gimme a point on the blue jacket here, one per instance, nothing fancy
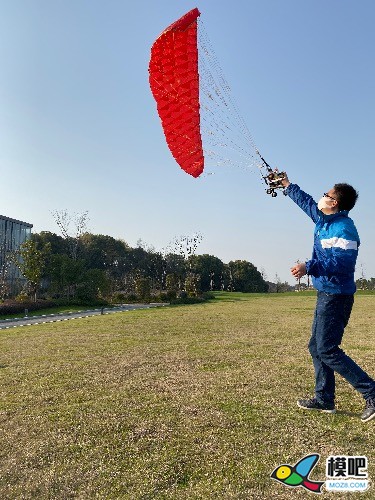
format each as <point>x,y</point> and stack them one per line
<point>336,243</point>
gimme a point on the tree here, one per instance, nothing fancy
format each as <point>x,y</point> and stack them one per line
<point>143,288</point>
<point>279,286</point>
<point>31,263</point>
<point>108,254</point>
<point>94,284</point>
<point>64,221</point>
<point>245,277</point>
<point>192,285</point>
<point>185,245</point>
<point>65,275</point>
<point>176,265</point>
<point>102,251</point>
<point>176,257</point>
<point>58,244</point>
<point>209,268</point>
<point>263,273</point>
<point>362,282</point>
<point>172,285</point>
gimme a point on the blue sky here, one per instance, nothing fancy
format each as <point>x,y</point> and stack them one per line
<point>79,128</point>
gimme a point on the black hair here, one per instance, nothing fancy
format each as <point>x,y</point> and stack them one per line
<point>346,196</point>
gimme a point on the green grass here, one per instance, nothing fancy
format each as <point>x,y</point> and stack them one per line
<point>188,402</point>
<point>50,310</point>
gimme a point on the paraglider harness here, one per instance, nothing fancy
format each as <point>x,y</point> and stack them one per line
<point>273,178</point>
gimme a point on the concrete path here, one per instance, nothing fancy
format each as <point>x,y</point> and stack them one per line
<point>52,318</point>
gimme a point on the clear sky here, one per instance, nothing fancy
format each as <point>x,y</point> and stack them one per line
<point>79,128</point>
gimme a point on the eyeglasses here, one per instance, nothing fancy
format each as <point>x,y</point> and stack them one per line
<point>326,195</point>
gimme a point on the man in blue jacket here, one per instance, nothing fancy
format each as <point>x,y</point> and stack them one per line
<point>332,265</point>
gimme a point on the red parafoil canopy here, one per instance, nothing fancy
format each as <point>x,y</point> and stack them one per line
<point>174,82</point>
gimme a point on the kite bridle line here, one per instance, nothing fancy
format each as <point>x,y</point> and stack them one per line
<point>211,153</point>
<point>215,87</point>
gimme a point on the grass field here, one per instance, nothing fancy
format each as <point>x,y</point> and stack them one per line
<point>183,402</point>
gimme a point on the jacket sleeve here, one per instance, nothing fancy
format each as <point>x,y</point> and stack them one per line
<point>340,258</point>
<point>304,201</point>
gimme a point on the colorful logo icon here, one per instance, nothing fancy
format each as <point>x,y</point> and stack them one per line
<point>298,474</point>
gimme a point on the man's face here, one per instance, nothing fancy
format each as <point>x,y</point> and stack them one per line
<point>330,202</point>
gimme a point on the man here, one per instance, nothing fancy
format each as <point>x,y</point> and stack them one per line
<point>332,266</point>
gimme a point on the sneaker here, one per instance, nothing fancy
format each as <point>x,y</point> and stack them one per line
<point>369,412</point>
<point>313,404</point>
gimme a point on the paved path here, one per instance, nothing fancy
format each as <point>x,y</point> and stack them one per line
<point>52,318</point>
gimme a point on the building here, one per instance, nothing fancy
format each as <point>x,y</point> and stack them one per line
<point>12,234</point>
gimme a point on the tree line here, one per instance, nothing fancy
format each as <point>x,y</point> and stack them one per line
<point>365,284</point>
<point>90,267</point>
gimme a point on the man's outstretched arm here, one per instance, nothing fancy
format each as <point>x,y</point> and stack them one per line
<point>302,199</point>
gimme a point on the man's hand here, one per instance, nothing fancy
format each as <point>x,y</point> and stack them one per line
<point>299,270</point>
<point>285,182</point>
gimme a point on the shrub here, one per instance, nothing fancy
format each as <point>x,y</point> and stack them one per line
<point>171,295</point>
<point>130,298</point>
<point>22,298</point>
<point>13,307</point>
<point>165,296</point>
<point>118,297</point>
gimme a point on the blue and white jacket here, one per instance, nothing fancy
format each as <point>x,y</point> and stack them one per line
<point>336,243</point>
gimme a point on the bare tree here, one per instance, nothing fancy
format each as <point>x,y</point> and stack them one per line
<point>278,283</point>
<point>186,245</point>
<point>230,284</point>
<point>145,246</point>
<point>362,279</point>
<point>65,221</point>
<point>263,273</point>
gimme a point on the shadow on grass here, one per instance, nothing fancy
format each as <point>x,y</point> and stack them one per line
<point>348,413</point>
